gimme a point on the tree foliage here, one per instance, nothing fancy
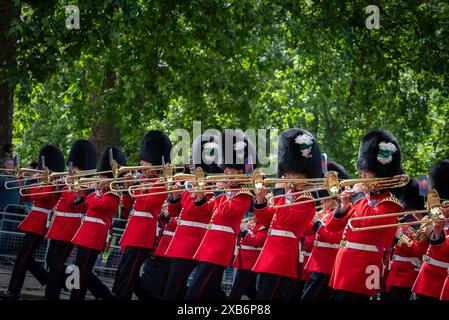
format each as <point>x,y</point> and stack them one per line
<point>249,64</point>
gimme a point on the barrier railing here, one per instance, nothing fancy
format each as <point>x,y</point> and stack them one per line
<point>105,267</point>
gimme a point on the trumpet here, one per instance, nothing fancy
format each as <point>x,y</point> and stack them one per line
<point>434,210</point>
<point>333,186</point>
<point>167,182</point>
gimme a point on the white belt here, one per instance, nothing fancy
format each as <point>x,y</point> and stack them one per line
<point>168,233</point>
<point>413,260</point>
<point>250,248</point>
<point>317,243</point>
<point>141,214</point>
<point>435,262</point>
<point>282,233</point>
<point>47,211</point>
<point>218,227</point>
<point>96,220</point>
<point>302,255</point>
<point>305,253</point>
<point>193,224</point>
<point>69,214</point>
<point>358,246</point>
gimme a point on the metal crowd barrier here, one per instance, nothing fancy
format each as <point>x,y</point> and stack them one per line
<point>105,267</point>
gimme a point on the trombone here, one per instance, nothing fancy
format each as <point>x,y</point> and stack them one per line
<point>333,186</point>
<point>72,185</point>
<point>434,209</point>
<point>167,181</point>
<point>115,185</point>
<point>255,181</point>
<point>89,175</point>
<point>45,176</point>
<point>118,170</point>
<point>14,172</point>
<point>47,179</point>
<point>78,184</point>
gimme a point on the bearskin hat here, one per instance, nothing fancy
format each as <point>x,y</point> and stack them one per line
<point>439,178</point>
<point>53,158</point>
<point>83,155</point>
<point>334,166</point>
<point>105,161</point>
<point>410,197</point>
<point>206,153</point>
<point>155,146</point>
<point>380,153</point>
<point>237,150</point>
<point>298,152</point>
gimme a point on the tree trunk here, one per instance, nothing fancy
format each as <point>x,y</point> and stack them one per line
<point>104,131</point>
<point>7,57</point>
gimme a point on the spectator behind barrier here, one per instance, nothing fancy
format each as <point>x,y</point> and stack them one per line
<point>8,197</point>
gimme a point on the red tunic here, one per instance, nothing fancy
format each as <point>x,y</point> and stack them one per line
<point>166,237</point>
<point>323,256</point>
<point>142,222</point>
<point>306,249</point>
<point>218,243</point>
<point>192,227</point>
<point>355,269</point>
<point>93,234</point>
<point>280,254</point>
<point>403,273</point>
<point>127,205</point>
<point>445,291</point>
<point>67,217</point>
<point>250,247</point>
<point>431,278</point>
<point>36,220</point>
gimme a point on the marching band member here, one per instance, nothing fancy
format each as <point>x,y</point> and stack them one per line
<point>139,237</point>
<point>92,236</point>
<point>67,219</point>
<point>325,248</point>
<point>35,225</point>
<point>379,156</point>
<point>216,250</point>
<point>167,234</point>
<point>429,284</point>
<point>278,264</point>
<point>155,269</point>
<point>441,227</point>
<point>160,261</point>
<point>306,246</point>
<point>193,223</point>
<point>252,239</point>
<point>409,249</point>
